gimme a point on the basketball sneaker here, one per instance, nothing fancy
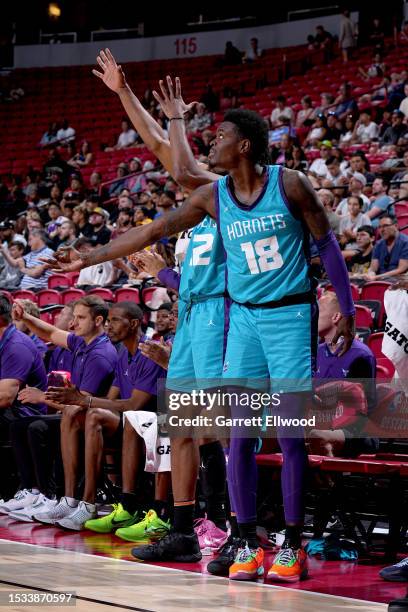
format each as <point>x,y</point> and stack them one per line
<point>42,504</point>
<point>76,521</point>
<point>226,557</point>
<point>397,572</point>
<point>248,564</point>
<point>146,531</point>
<point>210,537</point>
<point>116,519</point>
<point>22,498</point>
<point>289,565</point>
<point>178,547</point>
<point>58,512</point>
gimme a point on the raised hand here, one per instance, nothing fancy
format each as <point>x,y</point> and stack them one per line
<point>149,262</point>
<point>18,310</point>
<point>66,259</point>
<point>112,74</point>
<point>171,101</point>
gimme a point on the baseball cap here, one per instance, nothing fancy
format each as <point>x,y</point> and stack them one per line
<point>360,177</point>
<point>60,220</point>
<point>5,225</point>
<point>100,211</point>
<point>148,165</point>
<point>326,143</point>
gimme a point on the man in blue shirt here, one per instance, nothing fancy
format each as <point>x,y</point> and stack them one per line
<point>381,202</point>
<point>390,255</point>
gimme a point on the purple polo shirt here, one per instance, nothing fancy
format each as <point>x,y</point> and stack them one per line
<point>41,346</point>
<point>60,360</point>
<point>20,360</point>
<point>93,365</point>
<point>358,362</point>
<point>137,372</point>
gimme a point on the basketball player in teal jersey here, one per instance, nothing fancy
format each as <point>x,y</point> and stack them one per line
<point>261,215</point>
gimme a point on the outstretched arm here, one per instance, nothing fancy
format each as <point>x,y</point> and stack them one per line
<point>302,196</point>
<point>46,331</point>
<point>195,208</point>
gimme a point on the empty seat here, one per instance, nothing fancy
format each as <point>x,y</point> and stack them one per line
<point>24,294</point>
<point>127,294</point>
<point>47,297</point>
<point>69,295</point>
<point>105,294</point>
<point>58,280</point>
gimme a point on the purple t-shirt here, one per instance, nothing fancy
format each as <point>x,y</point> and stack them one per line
<point>137,372</point>
<point>20,360</point>
<point>93,365</point>
<point>358,362</point>
<point>60,360</point>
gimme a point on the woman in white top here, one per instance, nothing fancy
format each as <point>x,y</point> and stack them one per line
<point>350,223</point>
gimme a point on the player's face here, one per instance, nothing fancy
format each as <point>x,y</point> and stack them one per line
<point>118,325</point>
<point>224,151</point>
<point>84,325</point>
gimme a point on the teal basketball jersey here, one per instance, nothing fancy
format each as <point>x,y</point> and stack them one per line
<point>203,268</point>
<point>266,245</point>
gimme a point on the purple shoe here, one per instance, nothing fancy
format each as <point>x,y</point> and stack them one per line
<point>210,537</point>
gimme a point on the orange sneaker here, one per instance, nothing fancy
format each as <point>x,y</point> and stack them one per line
<point>289,565</point>
<point>248,563</point>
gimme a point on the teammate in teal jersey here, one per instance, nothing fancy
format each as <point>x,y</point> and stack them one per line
<point>271,319</point>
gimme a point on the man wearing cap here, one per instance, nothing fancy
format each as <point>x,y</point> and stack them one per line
<point>8,234</point>
<point>10,276</point>
<point>318,168</point>
<point>356,185</point>
<point>101,234</point>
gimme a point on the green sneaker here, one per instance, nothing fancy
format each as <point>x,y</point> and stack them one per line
<point>117,518</point>
<point>149,530</point>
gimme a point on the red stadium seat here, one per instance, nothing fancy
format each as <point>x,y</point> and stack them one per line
<point>127,295</point>
<point>47,317</point>
<point>7,295</point>
<point>375,343</point>
<point>24,294</point>
<point>69,295</point>
<point>47,297</point>
<point>374,290</point>
<point>105,294</point>
<point>355,290</point>
<point>363,316</point>
<point>385,369</point>
<point>58,280</point>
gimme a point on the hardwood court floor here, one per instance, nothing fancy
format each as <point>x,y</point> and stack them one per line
<point>100,567</point>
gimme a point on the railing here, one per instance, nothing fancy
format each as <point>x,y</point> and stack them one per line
<point>61,37</point>
<point>123,178</point>
<point>117,34</point>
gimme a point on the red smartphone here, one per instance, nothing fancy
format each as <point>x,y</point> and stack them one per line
<point>59,379</point>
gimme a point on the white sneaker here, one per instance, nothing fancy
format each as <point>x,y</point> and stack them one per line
<point>60,511</point>
<point>43,504</point>
<point>77,519</point>
<point>22,499</point>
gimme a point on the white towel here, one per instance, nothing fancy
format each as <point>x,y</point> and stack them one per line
<point>395,340</point>
<point>157,447</point>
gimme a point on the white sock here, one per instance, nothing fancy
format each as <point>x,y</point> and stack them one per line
<point>90,507</point>
<point>71,501</point>
<point>34,491</point>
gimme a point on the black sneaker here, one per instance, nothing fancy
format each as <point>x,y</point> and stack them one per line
<point>398,605</point>
<point>179,547</point>
<point>397,572</point>
<point>220,566</point>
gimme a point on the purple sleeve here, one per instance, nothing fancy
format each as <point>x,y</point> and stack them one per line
<point>335,267</point>
<point>170,278</point>
<point>17,364</point>
<point>73,342</point>
<point>147,377</point>
<point>96,369</point>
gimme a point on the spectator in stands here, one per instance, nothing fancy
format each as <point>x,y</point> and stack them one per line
<point>121,173</point>
<point>98,219</point>
<point>8,234</point>
<point>80,217</point>
<point>359,264</point>
<point>327,199</point>
<point>380,201</point>
<point>281,109</point>
<point>123,222</point>
<point>347,37</point>
<point>345,103</point>
<point>20,364</point>
<point>55,168</point>
<point>95,188</point>
<point>376,69</point>
<point>232,55</point>
<point>318,168</point>
<point>333,131</point>
<point>305,117</point>
<point>66,133</point>
<point>127,138</point>
<point>141,216</point>
<point>365,130</point>
<point>201,119</point>
<point>93,365</point>
<point>396,131</point>
<point>357,363</point>
<point>69,202</point>
<point>326,100</point>
<point>210,99</point>
<point>164,322</point>
<point>54,212</point>
<point>403,107</point>
<point>295,158</point>
<point>55,194</point>
<point>350,223</point>
<point>50,136</point>
<point>377,35</point>
<point>35,271</point>
<point>334,174</point>
<point>318,132</point>
<point>359,163</point>
<point>32,309</point>
<point>324,40</point>
<point>100,275</point>
<point>83,158</point>
<point>66,234</point>
<point>390,256</point>
<point>253,52</point>
<point>356,185</point>
<point>10,276</point>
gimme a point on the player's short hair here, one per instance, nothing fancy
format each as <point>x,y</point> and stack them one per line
<point>252,126</point>
<point>5,309</point>
<point>166,306</point>
<point>96,305</point>
<point>130,310</point>
<point>31,308</point>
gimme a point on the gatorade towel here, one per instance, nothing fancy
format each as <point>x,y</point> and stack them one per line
<point>157,447</point>
<point>395,340</point>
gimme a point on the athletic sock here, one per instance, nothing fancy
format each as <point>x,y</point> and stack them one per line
<point>293,537</point>
<point>184,518</point>
<point>213,478</point>
<point>234,526</point>
<point>162,509</point>
<point>130,502</point>
<point>247,531</point>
